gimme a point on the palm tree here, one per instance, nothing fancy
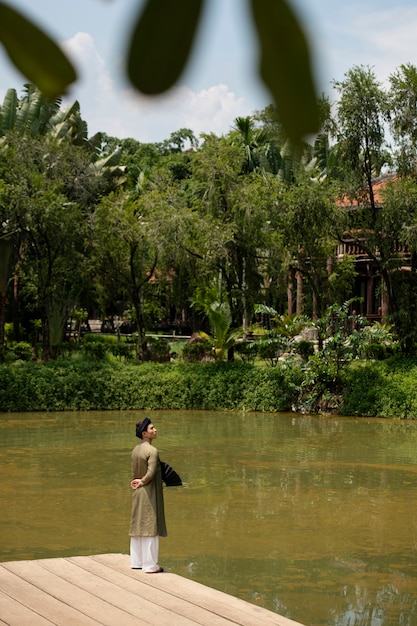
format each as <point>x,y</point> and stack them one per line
<point>220,318</point>
<point>259,149</point>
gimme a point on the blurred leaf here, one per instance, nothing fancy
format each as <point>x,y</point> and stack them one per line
<point>161,43</point>
<point>285,67</point>
<point>34,54</point>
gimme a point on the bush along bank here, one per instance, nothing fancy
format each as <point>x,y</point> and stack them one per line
<point>56,386</point>
<point>363,388</point>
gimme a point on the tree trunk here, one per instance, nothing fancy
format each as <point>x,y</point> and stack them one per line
<point>2,317</point>
<point>15,306</point>
<point>141,344</point>
<point>46,349</point>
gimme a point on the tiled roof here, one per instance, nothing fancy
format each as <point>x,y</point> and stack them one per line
<point>377,185</point>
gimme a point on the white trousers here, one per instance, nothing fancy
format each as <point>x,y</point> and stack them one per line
<point>144,553</point>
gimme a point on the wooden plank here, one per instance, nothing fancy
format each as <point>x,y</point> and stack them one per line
<point>135,602</point>
<point>234,609</point>
<point>40,602</point>
<point>103,589</point>
<point>94,608</point>
<point>13,612</point>
<point>135,582</point>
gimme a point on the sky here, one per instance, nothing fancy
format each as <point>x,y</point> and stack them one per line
<point>220,82</point>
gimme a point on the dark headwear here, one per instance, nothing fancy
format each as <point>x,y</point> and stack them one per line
<point>142,426</point>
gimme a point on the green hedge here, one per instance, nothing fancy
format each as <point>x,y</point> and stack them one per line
<point>375,389</point>
<point>381,389</point>
<point>111,385</point>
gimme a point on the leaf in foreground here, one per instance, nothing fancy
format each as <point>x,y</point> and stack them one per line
<point>285,66</point>
<point>34,54</point>
<point>161,43</point>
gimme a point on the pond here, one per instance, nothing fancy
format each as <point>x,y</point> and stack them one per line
<point>312,517</point>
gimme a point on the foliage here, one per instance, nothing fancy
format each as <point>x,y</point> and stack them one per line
<point>95,384</point>
<point>16,351</point>
<point>384,389</point>
<point>278,340</point>
<point>247,350</point>
<point>34,53</point>
<point>126,253</point>
<point>320,388</point>
<point>198,351</point>
<point>271,346</point>
<point>247,214</point>
<point>122,351</point>
<point>286,325</point>
<point>402,105</point>
<point>398,215</point>
<point>344,337</point>
<point>304,348</point>
<point>96,350</point>
<point>162,42</point>
<point>361,113</point>
<point>21,350</point>
<point>159,349</point>
<point>220,319</point>
<point>311,222</point>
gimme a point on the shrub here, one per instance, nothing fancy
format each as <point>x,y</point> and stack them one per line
<point>247,350</point>
<point>269,350</point>
<point>100,338</point>
<point>375,351</point>
<point>6,356</point>
<point>122,350</point>
<point>197,351</point>
<point>382,389</point>
<point>304,348</point>
<point>159,348</point>
<point>96,350</point>
<point>21,350</point>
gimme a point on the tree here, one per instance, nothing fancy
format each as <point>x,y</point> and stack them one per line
<point>361,114</point>
<point>126,249</point>
<point>398,220</point>
<point>33,114</point>
<point>47,187</point>
<point>403,117</point>
<point>242,205</point>
<point>360,133</point>
<point>256,143</point>
<point>29,125</point>
<point>311,225</point>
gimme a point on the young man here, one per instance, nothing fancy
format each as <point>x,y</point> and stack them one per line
<point>147,521</point>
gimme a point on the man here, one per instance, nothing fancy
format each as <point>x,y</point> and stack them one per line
<point>147,521</point>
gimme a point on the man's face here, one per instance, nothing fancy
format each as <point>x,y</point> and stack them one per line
<point>150,433</point>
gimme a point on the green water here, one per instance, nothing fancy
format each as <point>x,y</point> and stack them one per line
<point>314,518</point>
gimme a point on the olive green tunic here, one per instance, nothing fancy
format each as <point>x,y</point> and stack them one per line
<point>148,516</point>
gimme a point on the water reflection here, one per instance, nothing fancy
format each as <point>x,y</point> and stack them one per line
<point>314,518</point>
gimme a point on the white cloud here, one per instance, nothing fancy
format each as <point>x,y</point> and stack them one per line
<point>210,110</point>
<point>117,110</point>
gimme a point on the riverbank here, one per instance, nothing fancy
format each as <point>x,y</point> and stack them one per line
<point>361,388</point>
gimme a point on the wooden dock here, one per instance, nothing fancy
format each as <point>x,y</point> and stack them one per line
<point>102,589</point>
